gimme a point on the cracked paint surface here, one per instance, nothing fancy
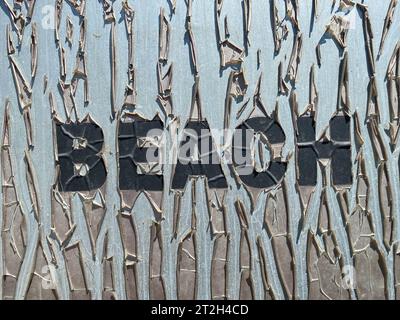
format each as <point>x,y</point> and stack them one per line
<point>220,65</point>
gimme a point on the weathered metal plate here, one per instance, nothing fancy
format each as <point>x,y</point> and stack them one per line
<point>90,89</point>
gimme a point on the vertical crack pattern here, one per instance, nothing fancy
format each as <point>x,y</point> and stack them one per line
<point>85,215</point>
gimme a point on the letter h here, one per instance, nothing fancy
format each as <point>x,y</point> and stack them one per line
<point>337,149</point>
